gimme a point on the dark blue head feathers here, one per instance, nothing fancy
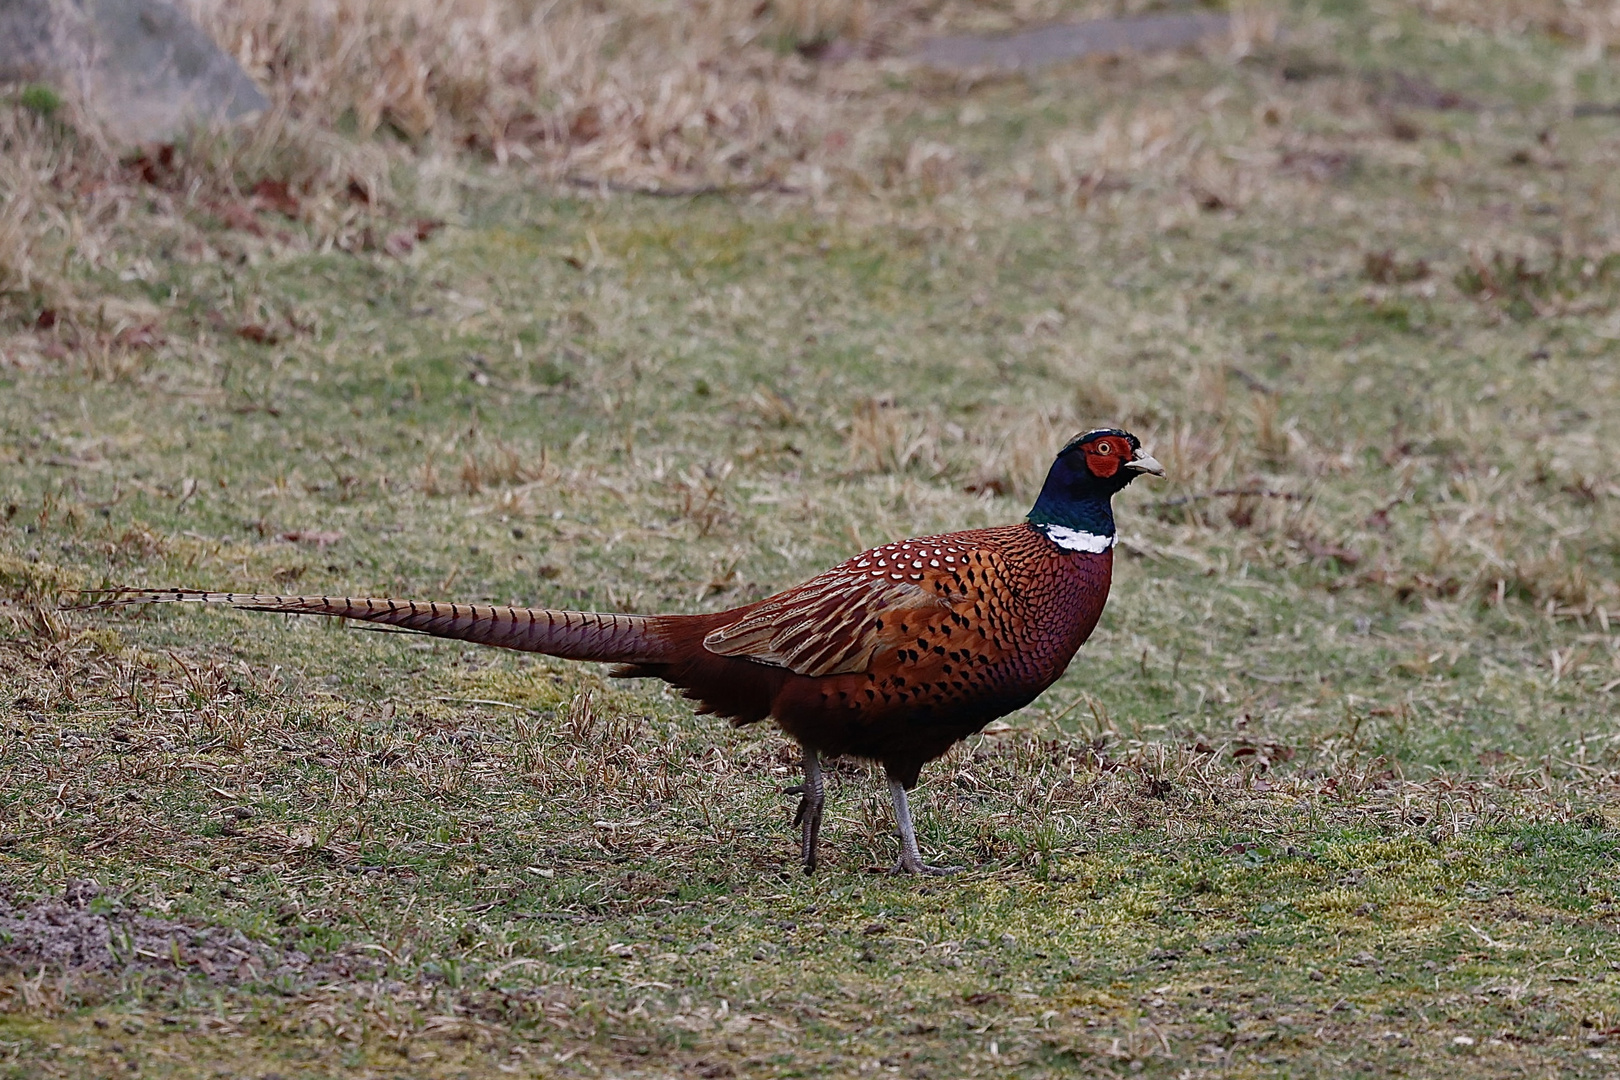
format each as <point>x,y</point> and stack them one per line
<point>1085,476</point>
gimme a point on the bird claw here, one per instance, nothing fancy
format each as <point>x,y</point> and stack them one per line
<point>804,808</point>
<point>807,819</point>
<point>905,866</point>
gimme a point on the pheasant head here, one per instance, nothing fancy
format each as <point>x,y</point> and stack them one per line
<point>1074,508</point>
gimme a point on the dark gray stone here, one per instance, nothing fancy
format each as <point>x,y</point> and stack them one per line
<point>1071,41</point>
<point>140,68</point>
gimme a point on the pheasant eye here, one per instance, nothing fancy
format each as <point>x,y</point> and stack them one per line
<point>1104,448</point>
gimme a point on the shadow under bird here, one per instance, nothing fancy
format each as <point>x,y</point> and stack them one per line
<point>893,656</point>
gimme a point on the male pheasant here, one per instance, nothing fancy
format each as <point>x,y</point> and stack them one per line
<point>893,656</point>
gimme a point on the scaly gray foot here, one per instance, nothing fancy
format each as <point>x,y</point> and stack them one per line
<point>905,866</point>
<point>910,861</point>
<point>808,817</point>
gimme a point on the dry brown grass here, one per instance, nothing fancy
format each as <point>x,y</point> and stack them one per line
<point>77,217</point>
<point>377,107</point>
<point>35,229</point>
<point>1595,23</point>
<point>605,90</point>
<point>1013,450</point>
<point>722,95</point>
<point>885,437</point>
<point>616,94</point>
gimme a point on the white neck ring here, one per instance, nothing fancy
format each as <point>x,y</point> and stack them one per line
<point>1076,539</point>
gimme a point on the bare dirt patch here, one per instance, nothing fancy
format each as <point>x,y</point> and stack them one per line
<point>84,929</point>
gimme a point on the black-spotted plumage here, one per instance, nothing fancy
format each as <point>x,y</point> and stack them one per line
<point>894,655</point>
<point>970,627</point>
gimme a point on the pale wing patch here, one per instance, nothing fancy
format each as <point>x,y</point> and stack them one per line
<point>827,626</point>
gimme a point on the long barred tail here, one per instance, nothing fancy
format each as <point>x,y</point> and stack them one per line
<point>572,635</point>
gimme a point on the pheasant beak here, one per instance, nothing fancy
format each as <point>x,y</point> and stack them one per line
<point>1145,463</point>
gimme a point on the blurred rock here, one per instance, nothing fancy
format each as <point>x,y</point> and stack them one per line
<point>141,68</point>
<point>1071,41</point>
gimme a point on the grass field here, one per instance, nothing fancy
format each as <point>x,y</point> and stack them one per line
<point>1333,789</point>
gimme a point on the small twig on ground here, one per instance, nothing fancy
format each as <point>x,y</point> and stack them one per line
<point>1251,380</point>
<point>483,701</point>
<point>690,192</point>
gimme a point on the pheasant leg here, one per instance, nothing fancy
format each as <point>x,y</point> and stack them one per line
<point>808,816</point>
<point>910,862</point>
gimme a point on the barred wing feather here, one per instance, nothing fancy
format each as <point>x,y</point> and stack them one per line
<point>833,624</point>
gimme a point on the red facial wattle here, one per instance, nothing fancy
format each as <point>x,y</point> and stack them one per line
<point>1103,459</point>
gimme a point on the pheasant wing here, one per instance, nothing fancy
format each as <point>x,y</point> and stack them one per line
<point>836,622</point>
<point>831,625</point>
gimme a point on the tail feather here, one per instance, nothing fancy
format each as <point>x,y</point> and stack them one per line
<point>572,635</point>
